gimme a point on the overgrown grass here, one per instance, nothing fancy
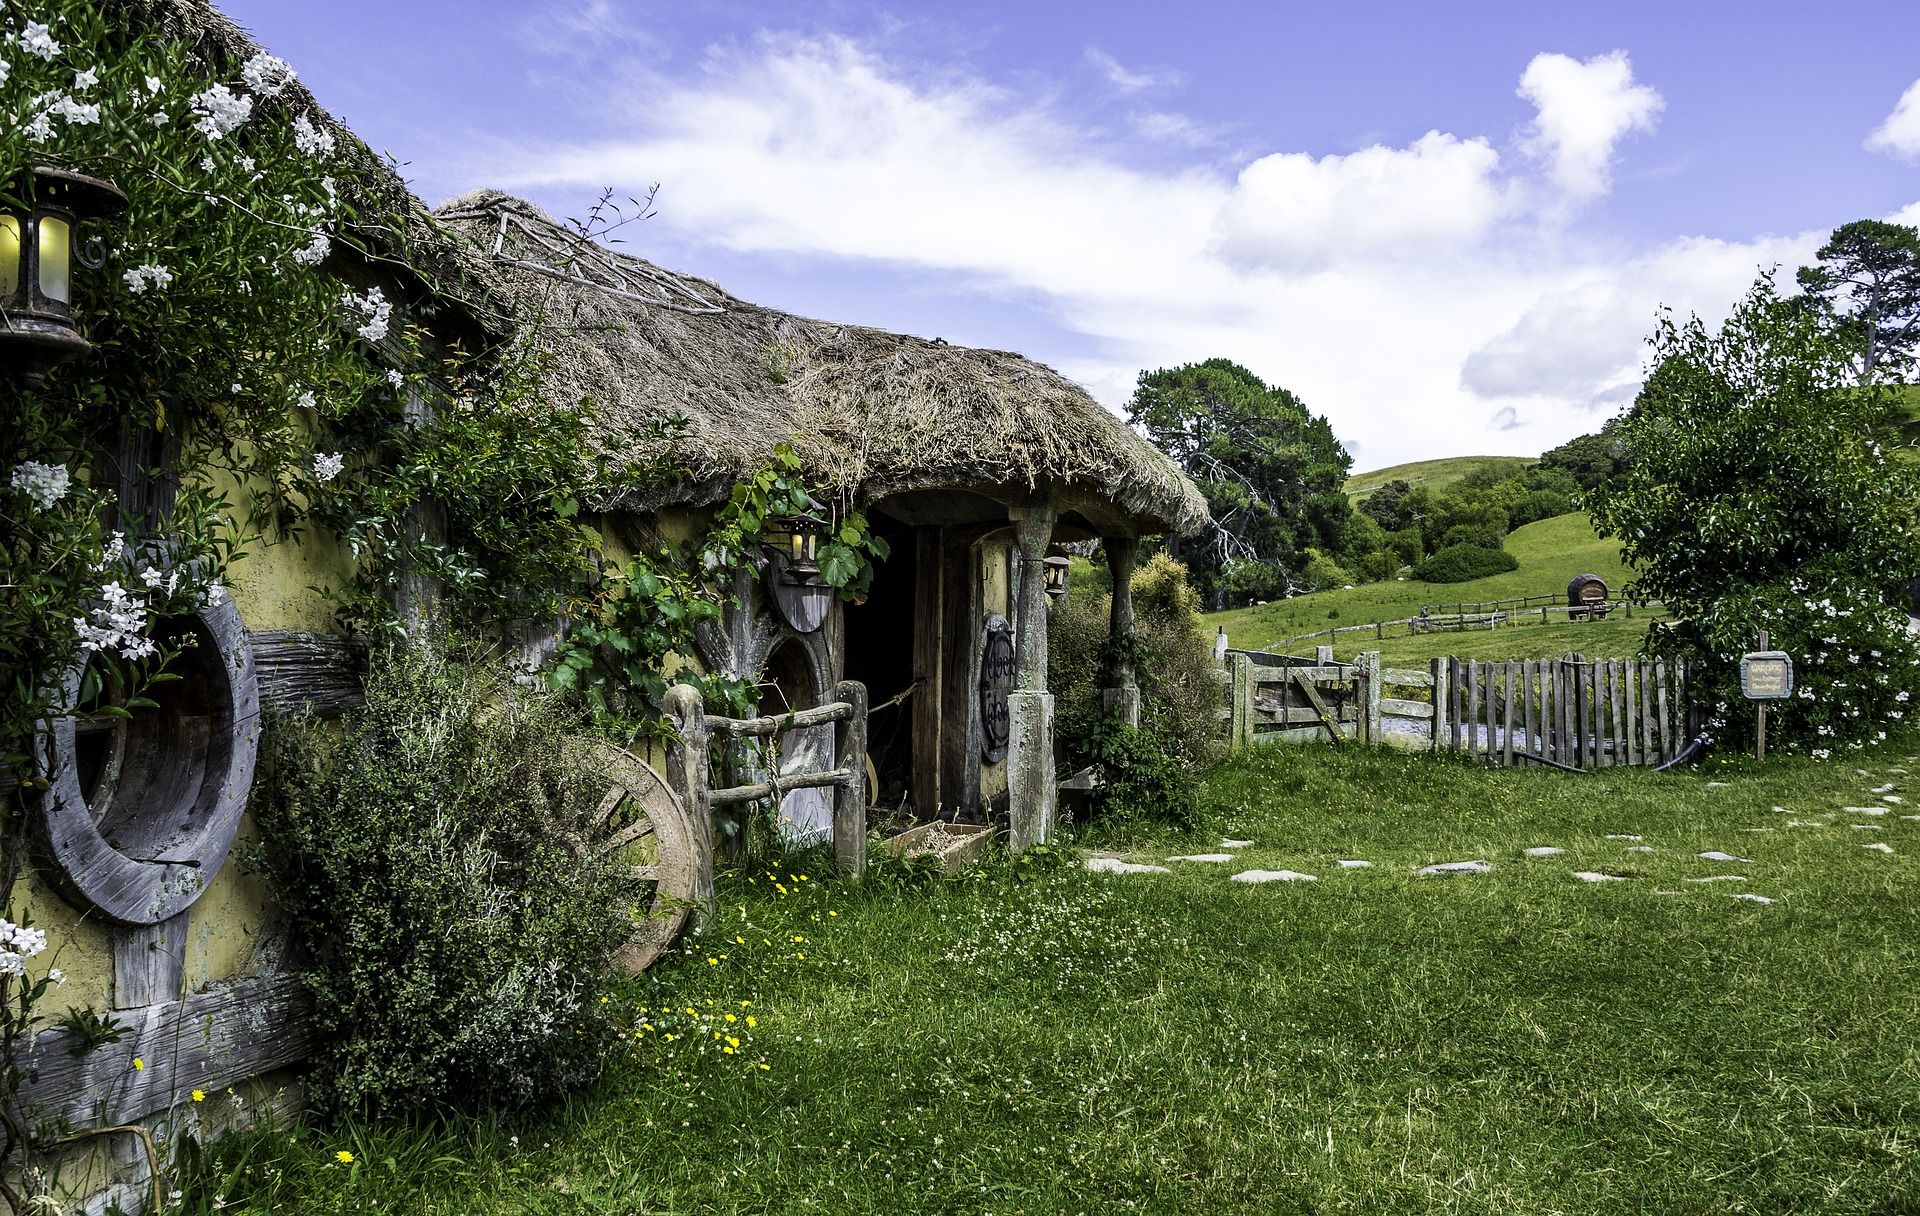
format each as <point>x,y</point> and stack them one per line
<point>1550,552</point>
<point>1515,1042</point>
<point>1433,474</point>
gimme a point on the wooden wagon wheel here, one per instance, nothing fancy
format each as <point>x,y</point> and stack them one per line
<point>640,823</point>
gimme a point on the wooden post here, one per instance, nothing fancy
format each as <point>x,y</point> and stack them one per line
<point>1473,708</point>
<point>1242,704</point>
<point>1031,788</point>
<point>850,799</point>
<point>1323,655</point>
<point>1437,668</point>
<point>687,776</point>
<point>417,594</point>
<point>1033,529</point>
<point>1760,710</point>
<point>929,615</point>
<point>1506,750</point>
<point>1370,693</point>
<point>1121,697</point>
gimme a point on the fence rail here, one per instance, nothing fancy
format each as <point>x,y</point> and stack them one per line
<point>1566,713</point>
<point>1461,622</point>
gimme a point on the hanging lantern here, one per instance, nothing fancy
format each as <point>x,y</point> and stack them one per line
<point>39,245</point>
<point>795,542</point>
<point>1055,566</point>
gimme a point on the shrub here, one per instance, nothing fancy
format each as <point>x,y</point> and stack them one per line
<point>1145,780</point>
<point>455,932</point>
<point>1458,563</point>
<point>1322,573</point>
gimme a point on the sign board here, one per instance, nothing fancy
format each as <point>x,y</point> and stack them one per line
<point>996,681</point>
<point>1766,675</point>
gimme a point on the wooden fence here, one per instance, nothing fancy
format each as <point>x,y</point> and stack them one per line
<point>1566,712</point>
<point>1482,616</point>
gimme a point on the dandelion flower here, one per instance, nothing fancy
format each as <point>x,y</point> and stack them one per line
<point>343,1157</point>
<point>139,1065</point>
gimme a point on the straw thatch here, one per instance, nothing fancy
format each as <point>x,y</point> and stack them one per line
<point>874,413</point>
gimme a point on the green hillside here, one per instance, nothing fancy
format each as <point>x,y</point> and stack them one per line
<point>1434,474</point>
<point>1550,553</point>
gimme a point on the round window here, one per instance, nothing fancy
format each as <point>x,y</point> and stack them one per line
<point>141,809</point>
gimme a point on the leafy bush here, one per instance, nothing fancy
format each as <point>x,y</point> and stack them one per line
<point>1322,573</point>
<point>430,858</point>
<point>1145,780</point>
<point>1459,563</point>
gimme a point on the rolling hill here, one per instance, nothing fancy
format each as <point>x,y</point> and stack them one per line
<point>1434,474</point>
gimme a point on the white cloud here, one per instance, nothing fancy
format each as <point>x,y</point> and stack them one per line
<point>1292,210</point>
<point>1899,135</point>
<point>1407,292</point>
<point>1584,110</point>
<point>1126,79</point>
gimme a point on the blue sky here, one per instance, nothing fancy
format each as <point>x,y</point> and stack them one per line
<point>1447,227</point>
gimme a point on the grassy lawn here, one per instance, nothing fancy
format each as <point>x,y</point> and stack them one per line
<point>1433,474</point>
<point>1550,553</point>
<point>1057,1041</point>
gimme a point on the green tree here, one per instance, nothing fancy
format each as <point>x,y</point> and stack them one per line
<point>1272,471</point>
<point>1756,498</point>
<point>1589,459</point>
<point>1869,273</point>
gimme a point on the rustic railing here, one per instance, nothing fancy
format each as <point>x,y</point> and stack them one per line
<point>688,763</point>
<point>1469,617</point>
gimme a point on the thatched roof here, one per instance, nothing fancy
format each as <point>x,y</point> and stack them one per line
<point>392,229</point>
<point>872,412</point>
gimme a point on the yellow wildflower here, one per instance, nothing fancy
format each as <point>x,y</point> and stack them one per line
<point>752,1021</point>
<point>138,1063</point>
<point>199,1095</point>
<point>343,1157</point>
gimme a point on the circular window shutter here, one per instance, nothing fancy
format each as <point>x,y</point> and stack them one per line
<point>141,811</point>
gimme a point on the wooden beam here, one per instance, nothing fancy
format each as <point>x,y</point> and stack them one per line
<point>961,740</point>
<point>928,616</point>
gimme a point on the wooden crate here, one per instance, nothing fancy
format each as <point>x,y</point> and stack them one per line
<point>955,845</point>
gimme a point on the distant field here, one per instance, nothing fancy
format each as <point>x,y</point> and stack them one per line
<point>1434,474</point>
<point>1550,553</point>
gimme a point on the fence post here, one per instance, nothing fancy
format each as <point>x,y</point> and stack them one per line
<point>687,776</point>
<point>1438,669</point>
<point>850,800</point>
<point>1370,689</point>
<point>1323,655</point>
<point>1240,731</point>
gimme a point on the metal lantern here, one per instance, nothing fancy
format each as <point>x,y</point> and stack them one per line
<point>796,540</point>
<point>1055,567</point>
<point>39,244</point>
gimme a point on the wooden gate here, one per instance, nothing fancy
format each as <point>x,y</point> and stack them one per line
<point>1567,712</point>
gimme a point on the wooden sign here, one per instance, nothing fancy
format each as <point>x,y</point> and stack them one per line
<point>996,681</point>
<point>1766,675</point>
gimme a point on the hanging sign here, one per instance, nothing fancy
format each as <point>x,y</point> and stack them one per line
<point>1766,675</point>
<point>996,681</point>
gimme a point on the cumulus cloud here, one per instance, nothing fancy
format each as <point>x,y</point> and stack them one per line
<point>1290,209</point>
<point>1402,290</point>
<point>1899,135</point>
<point>1584,109</point>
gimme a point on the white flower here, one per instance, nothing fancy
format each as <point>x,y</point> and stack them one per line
<point>77,113</point>
<point>153,85</point>
<point>311,139</point>
<point>147,275</point>
<point>216,594</point>
<point>221,110</point>
<point>153,576</point>
<point>374,312</point>
<point>56,975</point>
<point>267,74</point>
<point>395,378</point>
<point>45,484</point>
<point>1903,697</point>
<point>40,130</point>
<point>327,465</point>
<point>159,118</point>
<point>304,401</point>
<point>4,69</point>
<point>315,251</point>
<point>37,39</point>
<point>207,165</point>
<point>116,546</point>
<point>1821,753</point>
<point>85,79</point>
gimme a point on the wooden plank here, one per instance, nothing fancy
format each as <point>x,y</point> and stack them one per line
<point>1473,708</point>
<point>1327,717</point>
<point>929,613</point>
<point>149,962</point>
<point>1647,754</point>
<point>1506,750</point>
<point>1526,707</point>
<point>1583,711</point>
<point>1669,747</point>
<point>1629,698</point>
<point>1457,705</point>
<point>1404,677</point>
<point>1562,740</point>
<point>1241,702</point>
<point>323,674</point>
<point>1619,705</point>
<point>1370,696</point>
<point>1393,707</point>
<point>1602,699</point>
<point>819,715</point>
<point>850,799</point>
<point>1441,692</point>
<point>208,1041</point>
<point>1490,676</point>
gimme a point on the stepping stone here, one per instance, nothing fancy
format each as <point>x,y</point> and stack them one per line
<point>1863,827</point>
<point>1202,857</point>
<point>1888,788</point>
<point>1801,823</point>
<point>1641,848</point>
<point>1624,836</point>
<point>1717,855</point>
<point>1879,846</point>
<point>1597,876</point>
<point>1781,810</point>
<point>1544,850</point>
<point>1113,865</point>
<point>1751,898</point>
<point>1356,865</point>
<point>1917,817</point>
<point>1861,772</point>
<point>1235,844</point>
<point>1759,829</point>
<point>1457,867</point>
<point>1273,876</point>
<point>1864,810</point>
<point>1720,878</point>
<point>1717,785</point>
<point>1893,799</point>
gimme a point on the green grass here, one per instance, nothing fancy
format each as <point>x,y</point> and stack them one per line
<point>1433,474</point>
<point>1550,553</point>
<point>1518,1042</point>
